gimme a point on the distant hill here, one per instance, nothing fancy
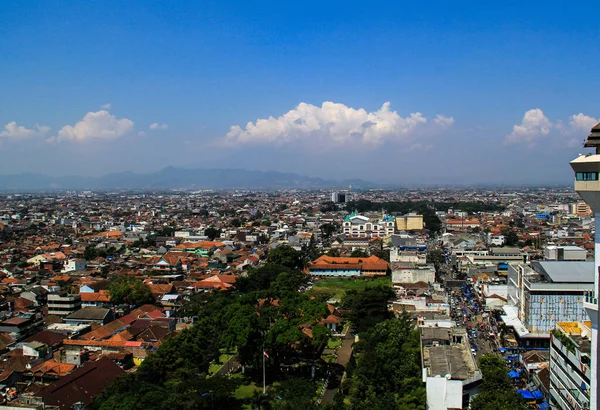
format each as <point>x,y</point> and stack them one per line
<point>175,178</point>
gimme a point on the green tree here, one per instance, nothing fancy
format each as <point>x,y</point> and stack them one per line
<point>90,253</point>
<point>211,233</point>
<point>436,257</point>
<point>497,391</point>
<point>359,253</point>
<point>294,393</point>
<point>385,371</point>
<point>128,290</point>
<point>334,252</point>
<point>510,237</point>
<point>328,229</point>
<point>367,307</point>
<point>285,255</point>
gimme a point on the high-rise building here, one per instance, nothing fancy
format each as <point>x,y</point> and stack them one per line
<point>341,197</point>
<point>587,185</point>
<point>570,366</point>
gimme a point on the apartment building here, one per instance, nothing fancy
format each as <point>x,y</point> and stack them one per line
<point>63,304</point>
<point>570,366</point>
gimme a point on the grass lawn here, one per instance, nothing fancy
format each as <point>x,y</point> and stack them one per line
<point>339,286</point>
<point>329,358</point>
<point>224,357</point>
<point>334,342</point>
<point>247,389</point>
<point>213,368</point>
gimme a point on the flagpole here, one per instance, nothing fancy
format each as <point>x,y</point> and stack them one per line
<point>264,375</point>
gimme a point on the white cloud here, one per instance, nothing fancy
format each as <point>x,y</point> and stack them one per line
<point>141,134</point>
<point>157,126</point>
<point>582,122</point>
<point>106,106</point>
<point>443,120</point>
<point>15,131</point>
<point>536,125</point>
<point>100,125</point>
<point>533,126</point>
<point>333,123</point>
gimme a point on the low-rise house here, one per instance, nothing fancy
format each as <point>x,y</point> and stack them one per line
<point>81,386</point>
<point>90,315</point>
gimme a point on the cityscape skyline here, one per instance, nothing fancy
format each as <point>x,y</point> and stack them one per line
<point>411,89</point>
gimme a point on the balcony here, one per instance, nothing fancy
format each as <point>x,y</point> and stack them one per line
<point>590,304</point>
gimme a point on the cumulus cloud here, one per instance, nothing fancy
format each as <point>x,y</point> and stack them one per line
<point>536,125</point>
<point>14,131</point>
<point>334,123</point>
<point>157,126</point>
<point>582,122</point>
<point>99,125</point>
<point>106,106</point>
<point>533,126</point>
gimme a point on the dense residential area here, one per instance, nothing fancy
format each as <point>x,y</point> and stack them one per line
<point>295,299</point>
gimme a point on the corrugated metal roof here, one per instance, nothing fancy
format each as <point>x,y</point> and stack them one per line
<point>566,271</point>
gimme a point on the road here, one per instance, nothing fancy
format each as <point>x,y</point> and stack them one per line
<point>338,369</point>
<point>464,306</point>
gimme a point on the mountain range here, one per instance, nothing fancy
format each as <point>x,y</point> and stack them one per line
<point>175,178</point>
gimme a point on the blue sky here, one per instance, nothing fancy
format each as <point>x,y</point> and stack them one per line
<point>478,92</point>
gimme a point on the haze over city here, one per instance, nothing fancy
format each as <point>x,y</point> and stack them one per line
<point>404,93</point>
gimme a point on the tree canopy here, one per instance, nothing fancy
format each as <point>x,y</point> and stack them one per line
<point>267,313</point>
<point>128,290</point>
<point>385,371</point>
<point>367,307</point>
<point>496,391</point>
<point>211,233</point>
<point>285,255</point>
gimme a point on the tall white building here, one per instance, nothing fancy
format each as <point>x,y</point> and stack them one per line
<point>587,185</point>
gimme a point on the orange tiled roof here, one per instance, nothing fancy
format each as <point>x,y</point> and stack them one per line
<point>101,343</point>
<point>329,262</point>
<point>102,297</point>
<point>52,367</point>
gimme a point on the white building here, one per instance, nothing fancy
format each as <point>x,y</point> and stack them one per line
<point>74,265</point>
<point>413,274</point>
<point>564,253</point>
<point>360,226</point>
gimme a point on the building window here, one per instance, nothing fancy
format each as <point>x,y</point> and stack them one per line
<point>586,176</point>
